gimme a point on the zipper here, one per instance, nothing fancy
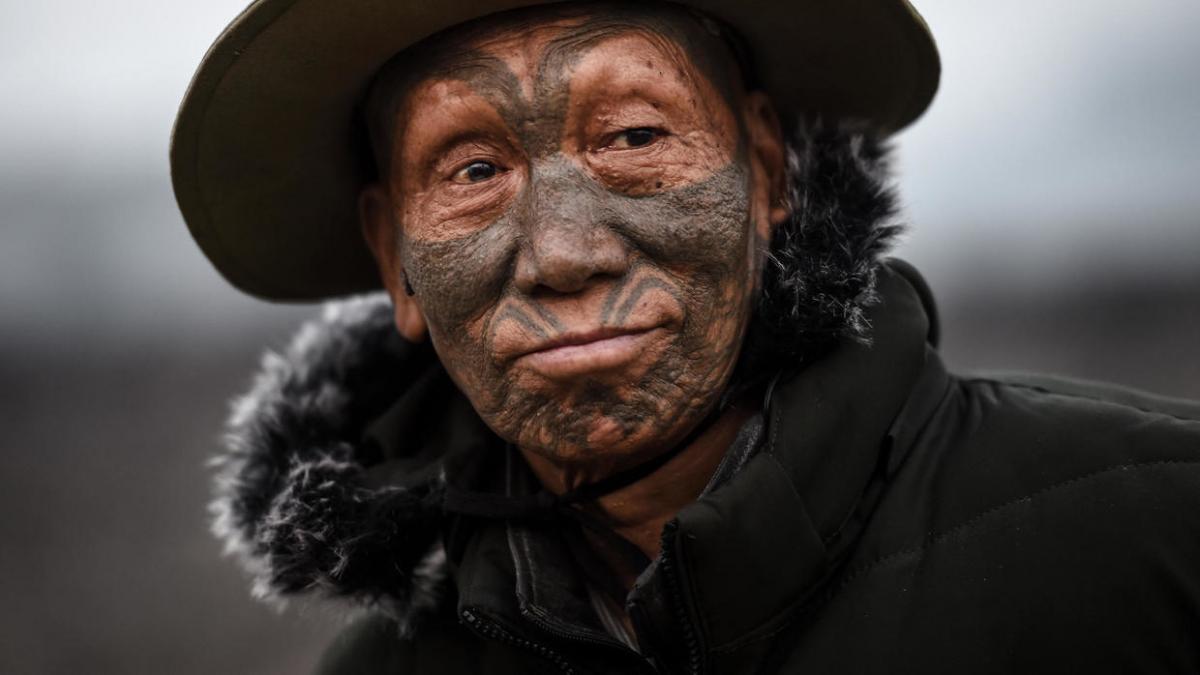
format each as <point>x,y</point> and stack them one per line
<point>671,575</point>
<point>492,629</point>
<point>546,625</point>
<point>621,648</point>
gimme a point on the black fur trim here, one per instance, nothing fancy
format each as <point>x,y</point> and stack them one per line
<point>819,276</point>
<point>290,499</point>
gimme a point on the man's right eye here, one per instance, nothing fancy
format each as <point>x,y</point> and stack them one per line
<point>475,172</point>
<point>635,138</point>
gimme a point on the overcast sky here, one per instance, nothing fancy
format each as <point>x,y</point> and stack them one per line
<point>1064,133</point>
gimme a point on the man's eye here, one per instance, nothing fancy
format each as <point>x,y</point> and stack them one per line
<point>635,138</point>
<point>475,172</point>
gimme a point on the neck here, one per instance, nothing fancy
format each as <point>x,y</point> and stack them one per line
<point>638,511</point>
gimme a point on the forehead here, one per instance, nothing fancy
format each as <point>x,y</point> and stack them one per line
<point>553,38</point>
<point>552,49</point>
<point>547,32</point>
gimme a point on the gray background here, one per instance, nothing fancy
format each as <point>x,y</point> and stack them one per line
<point>1050,192</point>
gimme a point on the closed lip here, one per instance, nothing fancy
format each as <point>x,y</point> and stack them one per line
<point>580,352</point>
<point>581,338</point>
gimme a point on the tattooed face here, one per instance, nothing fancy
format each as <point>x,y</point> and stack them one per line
<point>574,206</point>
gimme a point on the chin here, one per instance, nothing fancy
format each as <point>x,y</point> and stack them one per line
<point>606,436</point>
<point>605,443</point>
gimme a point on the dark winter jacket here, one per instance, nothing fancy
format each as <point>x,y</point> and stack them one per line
<point>897,519</point>
<point>893,518</point>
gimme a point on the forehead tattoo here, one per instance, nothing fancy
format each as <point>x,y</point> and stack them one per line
<point>451,55</point>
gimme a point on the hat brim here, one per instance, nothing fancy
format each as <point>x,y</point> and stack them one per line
<point>267,170</point>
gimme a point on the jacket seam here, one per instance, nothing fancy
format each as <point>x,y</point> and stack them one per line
<point>1082,397</point>
<point>935,537</point>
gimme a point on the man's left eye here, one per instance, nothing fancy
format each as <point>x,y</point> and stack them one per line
<point>635,138</point>
<point>475,172</point>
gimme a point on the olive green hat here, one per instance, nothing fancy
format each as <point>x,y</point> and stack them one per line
<point>264,157</point>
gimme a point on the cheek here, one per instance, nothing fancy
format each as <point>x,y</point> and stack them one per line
<point>699,230</point>
<point>451,211</point>
<point>702,237</point>
<point>457,281</point>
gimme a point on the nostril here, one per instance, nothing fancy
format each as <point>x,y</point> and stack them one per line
<point>560,260</point>
<point>566,273</point>
<point>554,290</point>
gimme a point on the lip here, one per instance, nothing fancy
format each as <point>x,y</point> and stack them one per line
<point>574,354</point>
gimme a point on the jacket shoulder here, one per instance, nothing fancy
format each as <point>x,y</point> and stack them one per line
<point>1041,430</point>
<point>1034,525</point>
<point>994,442</point>
<point>1089,392</point>
<point>1077,425</point>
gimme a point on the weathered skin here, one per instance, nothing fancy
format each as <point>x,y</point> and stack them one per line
<point>567,172</point>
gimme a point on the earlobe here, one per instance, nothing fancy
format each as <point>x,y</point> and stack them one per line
<point>380,232</point>
<point>408,319</point>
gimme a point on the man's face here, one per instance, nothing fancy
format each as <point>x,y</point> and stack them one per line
<point>580,211</point>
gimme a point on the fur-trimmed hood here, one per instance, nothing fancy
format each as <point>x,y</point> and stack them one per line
<point>294,497</point>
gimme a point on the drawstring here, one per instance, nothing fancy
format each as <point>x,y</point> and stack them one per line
<point>544,504</point>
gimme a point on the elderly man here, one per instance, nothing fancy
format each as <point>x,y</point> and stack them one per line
<point>640,396</point>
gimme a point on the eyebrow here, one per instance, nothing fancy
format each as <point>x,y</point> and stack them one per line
<point>438,154</point>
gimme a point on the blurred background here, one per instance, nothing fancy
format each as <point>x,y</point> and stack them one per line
<point>1050,193</point>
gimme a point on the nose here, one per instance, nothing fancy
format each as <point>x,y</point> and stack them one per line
<point>569,241</point>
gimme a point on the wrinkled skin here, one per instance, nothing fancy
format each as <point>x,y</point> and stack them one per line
<point>581,173</point>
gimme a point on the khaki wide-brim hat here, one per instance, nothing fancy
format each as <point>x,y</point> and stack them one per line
<point>267,168</point>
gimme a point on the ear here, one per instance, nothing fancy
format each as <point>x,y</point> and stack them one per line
<point>381,231</point>
<point>767,152</point>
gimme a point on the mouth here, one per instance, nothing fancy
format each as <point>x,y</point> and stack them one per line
<point>579,353</point>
